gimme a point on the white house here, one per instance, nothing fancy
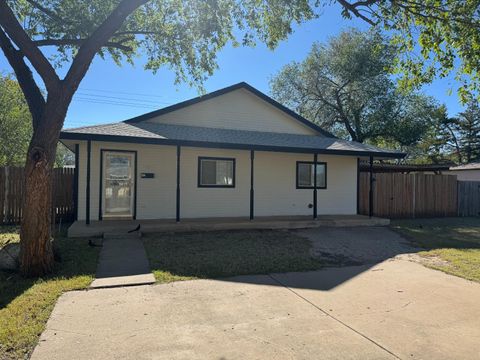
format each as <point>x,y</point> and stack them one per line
<point>466,172</point>
<point>232,153</point>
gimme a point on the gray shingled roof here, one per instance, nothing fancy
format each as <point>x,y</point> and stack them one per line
<point>182,133</point>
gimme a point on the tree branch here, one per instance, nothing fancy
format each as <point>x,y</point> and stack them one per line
<point>90,47</point>
<point>353,8</point>
<point>33,95</point>
<point>79,42</point>
<point>10,25</point>
<point>46,11</point>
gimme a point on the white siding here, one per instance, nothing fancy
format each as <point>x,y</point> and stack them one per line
<point>274,184</point>
<point>214,202</point>
<point>240,110</point>
<point>340,196</point>
<point>82,180</point>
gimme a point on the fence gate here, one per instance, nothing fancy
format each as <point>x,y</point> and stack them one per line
<point>409,195</point>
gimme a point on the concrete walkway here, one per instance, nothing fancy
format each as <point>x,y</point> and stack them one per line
<point>122,262</point>
<point>395,309</point>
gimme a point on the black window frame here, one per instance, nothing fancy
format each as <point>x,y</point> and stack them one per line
<point>199,172</point>
<point>313,164</point>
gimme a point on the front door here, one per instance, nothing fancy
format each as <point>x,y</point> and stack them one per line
<point>118,184</point>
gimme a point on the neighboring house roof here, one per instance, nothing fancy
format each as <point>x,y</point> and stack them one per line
<point>167,134</point>
<point>214,94</point>
<point>470,166</point>
<point>404,168</point>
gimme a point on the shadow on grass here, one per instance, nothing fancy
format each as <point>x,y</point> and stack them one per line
<point>227,253</point>
<point>26,304</point>
<point>74,258</point>
<point>451,245</point>
<point>224,254</point>
<point>441,233</point>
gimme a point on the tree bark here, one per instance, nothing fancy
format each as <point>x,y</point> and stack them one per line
<point>36,252</point>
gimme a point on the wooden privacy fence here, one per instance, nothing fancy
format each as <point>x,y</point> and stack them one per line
<point>418,195</point>
<point>11,195</point>
<point>469,198</point>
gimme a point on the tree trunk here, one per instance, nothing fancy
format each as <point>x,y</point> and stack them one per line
<point>36,252</point>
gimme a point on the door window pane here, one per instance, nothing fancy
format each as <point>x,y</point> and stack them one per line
<point>118,184</point>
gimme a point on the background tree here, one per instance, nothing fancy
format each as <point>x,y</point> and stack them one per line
<point>468,132</point>
<point>437,144</point>
<point>435,37</point>
<point>452,139</point>
<point>16,127</point>
<point>182,34</point>
<point>15,123</point>
<point>345,87</point>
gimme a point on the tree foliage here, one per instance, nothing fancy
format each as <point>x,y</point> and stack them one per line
<point>16,127</point>
<point>435,38</point>
<point>184,35</point>
<point>345,87</point>
<point>468,129</point>
<point>452,139</point>
<point>15,123</point>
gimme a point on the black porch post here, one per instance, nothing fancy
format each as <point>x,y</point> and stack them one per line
<point>370,194</point>
<point>87,205</point>
<point>315,160</point>
<point>358,186</point>
<point>178,184</point>
<point>252,157</point>
<point>75,182</point>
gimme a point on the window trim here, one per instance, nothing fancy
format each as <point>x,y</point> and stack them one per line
<point>310,163</point>
<point>199,172</point>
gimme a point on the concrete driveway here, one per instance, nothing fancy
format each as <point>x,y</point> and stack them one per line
<point>394,309</point>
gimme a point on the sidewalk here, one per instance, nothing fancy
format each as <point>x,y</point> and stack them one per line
<point>122,262</point>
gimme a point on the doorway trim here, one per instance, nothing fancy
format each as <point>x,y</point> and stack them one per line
<point>135,177</point>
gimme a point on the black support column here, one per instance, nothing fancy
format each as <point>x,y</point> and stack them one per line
<point>315,161</point>
<point>370,193</point>
<point>75,182</point>
<point>358,186</point>
<point>252,191</point>
<point>178,184</point>
<point>87,191</point>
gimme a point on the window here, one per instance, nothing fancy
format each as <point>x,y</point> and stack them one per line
<point>216,172</point>
<point>305,175</point>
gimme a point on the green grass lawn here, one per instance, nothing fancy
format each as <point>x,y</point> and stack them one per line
<point>218,254</point>
<point>26,304</point>
<point>451,245</point>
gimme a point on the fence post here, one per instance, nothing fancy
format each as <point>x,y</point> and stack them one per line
<point>414,195</point>
<point>5,198</point>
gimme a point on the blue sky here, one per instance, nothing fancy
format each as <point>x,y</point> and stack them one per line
<point>110,93</point>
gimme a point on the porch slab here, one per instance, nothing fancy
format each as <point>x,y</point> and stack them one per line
<point>99,228</point>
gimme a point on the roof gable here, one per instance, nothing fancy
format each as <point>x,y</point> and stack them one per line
<point>237,107</point>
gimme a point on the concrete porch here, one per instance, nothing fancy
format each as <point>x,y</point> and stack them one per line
<point>98,228</point>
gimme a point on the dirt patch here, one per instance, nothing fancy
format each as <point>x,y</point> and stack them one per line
<point>356,246</point>
<point>427,260</point>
